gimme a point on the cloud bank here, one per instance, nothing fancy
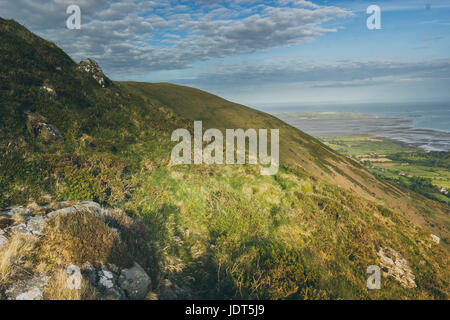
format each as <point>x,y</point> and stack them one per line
<point>142,36</point>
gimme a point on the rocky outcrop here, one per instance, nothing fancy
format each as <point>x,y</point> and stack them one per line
<point>435,239</point>
<point>135,282</point>
<point>92,68</point>
<point>127,281</point>
<point>395,266</point>
<point>30,289</point>
<point>39,127</point>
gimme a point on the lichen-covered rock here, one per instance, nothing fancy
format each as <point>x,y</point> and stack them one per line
<point>435,238</point>
<point>395,266</point>
<point>17,210</point>
<point>31,226</point>
<point>30,289</point>
<point>107,283</point>
<point>85,205</point>
<point>103,242</point>
<point>21,229</point>
<point>36,225</point>
<point>92,68</point>
<point>106,278</point>
<point>135,282</point>
<point>39,127</point>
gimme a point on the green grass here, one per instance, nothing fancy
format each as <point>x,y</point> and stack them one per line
<point>240,235</point>
<point>365,147</point>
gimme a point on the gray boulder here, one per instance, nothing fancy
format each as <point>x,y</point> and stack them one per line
<point>36,225</point>
<point>39,127</point>
<point>22,229</point>
<point>397,267</point>
<point>85,205</point>
<point>107,283</point>
<point>135,282</point>
<point>30,289</point>
<point>92,68</point>
<point>32,226</point>
<point>17,210</point>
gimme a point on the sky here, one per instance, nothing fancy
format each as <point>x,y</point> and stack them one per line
<point>259,53</point>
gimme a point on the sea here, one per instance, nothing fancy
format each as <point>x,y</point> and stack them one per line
<point>424,125</point>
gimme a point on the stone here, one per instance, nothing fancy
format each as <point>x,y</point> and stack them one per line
<point>36,225</point>
<point>30,289</point>
<point>17,210</point>
<point>114,292</point>
<point>397,267</point>
<point>107,284</point>
<point>91,204</point>
<point>39,127</point>
<point>106,279</point>
<point>89,271</point>
<point>32,294</point>
<point>85,205</point>
<point>32,226</point>
<point>21,229</point>
<point>435,238</point>
<point>93,69</point>
<point>135,282</point>
<point>64,204</point>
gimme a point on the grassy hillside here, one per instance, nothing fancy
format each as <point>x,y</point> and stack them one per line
<point>309,232</point>
<point>299,152</point>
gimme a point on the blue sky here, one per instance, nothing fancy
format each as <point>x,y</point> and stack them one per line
<point>260,52</point>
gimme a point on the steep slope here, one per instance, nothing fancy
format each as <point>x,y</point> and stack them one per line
<point>67,132</point>
<point>299,152</point>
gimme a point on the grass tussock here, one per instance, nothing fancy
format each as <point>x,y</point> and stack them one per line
<point>17,259</point>
<point>77,238</point>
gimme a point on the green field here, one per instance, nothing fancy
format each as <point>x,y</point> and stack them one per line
<point>421,171</point>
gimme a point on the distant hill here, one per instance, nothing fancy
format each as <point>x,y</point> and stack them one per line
<point>68,132</point>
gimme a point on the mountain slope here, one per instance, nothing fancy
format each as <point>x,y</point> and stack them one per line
<point>67,132</point>
<point>299,152</point>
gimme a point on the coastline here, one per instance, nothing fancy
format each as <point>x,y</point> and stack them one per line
<point>335,124</point>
